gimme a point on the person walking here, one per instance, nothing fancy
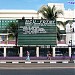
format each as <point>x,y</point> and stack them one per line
<point>49,55</point>
<point>28,54</point>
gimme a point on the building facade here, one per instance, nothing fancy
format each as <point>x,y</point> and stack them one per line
<point>7,16</point>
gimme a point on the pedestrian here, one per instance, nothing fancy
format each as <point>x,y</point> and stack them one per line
<point>49,55</point>
<point>28,54</point>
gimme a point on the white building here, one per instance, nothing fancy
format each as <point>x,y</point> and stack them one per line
<point>67,15</point>
<point>18,14</point>
<point>28,14</point>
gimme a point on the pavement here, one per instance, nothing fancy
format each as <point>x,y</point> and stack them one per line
<point>37,60</point>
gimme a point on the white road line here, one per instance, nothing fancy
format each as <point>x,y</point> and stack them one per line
<point>37,67</point>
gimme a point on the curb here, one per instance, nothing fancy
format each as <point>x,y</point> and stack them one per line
<point>38,62</point>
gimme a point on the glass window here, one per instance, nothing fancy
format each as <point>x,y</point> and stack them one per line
<point>8,21</point>
<point>5,21</point>
<point>2,21</point>
<point>16,20</point>
<point>13,21</point>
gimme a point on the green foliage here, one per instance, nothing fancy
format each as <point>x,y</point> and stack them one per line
<point>50,13</point>
<point>11,37</point>
<point>64,23</point>
<point>12,28</point>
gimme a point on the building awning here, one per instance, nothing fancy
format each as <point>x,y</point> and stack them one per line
<point>62,46</point>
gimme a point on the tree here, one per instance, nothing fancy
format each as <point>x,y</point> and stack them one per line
<point>63,23</point>
<point>12,28</point>
<point>50,13</point>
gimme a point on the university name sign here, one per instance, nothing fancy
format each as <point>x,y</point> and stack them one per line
<point>36,32</point>
<point>38,21</point>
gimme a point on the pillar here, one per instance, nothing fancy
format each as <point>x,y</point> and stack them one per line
<point>4,51</point>
<point>21,51</point>
<point>7,39</point>
<point>53,51</point>
<point>37,51</point>
<point>69,51</point>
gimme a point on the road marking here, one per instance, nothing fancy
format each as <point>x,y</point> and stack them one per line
<point>40,62</point>
<point>15,62</point>
<point>27,62</point>
<point>52,61</point>
<point>65,61</point>
<point>2,62</point>
<point>37,68</point>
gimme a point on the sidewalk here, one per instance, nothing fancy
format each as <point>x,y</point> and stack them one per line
<point>38,58</point>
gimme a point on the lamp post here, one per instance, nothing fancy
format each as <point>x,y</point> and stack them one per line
<point>71,31</point>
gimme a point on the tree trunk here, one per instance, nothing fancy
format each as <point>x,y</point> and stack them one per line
<point>16,38</point>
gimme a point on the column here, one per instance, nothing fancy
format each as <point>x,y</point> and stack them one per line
<point>7,39</point>
<point>4,51</point>
<point>21,51</point>
<point>37,51</point>
<point>69,51</point>
<point>53,51</point>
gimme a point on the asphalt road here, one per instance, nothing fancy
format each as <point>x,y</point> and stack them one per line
<point>37,71</point>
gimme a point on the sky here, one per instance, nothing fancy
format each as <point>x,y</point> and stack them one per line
<point>32,4</point>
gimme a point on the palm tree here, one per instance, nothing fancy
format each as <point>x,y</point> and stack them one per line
<point>12,28</point>
<point>63,23</point>
<point>50,13</point>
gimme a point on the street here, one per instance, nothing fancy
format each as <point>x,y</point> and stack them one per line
<point>37,72</point>
<point>36,65</point>
<point>37,68</point>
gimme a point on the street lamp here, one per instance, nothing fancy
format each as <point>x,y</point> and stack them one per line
<point>71,31</point>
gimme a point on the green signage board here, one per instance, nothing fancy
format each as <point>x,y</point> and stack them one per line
<point>37,32</point>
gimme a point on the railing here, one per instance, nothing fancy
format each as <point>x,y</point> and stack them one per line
<point>61,42</point>
<point>8,42</point>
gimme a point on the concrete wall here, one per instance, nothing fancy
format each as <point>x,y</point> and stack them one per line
<point>70,35</point>
<point>18,14</point>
